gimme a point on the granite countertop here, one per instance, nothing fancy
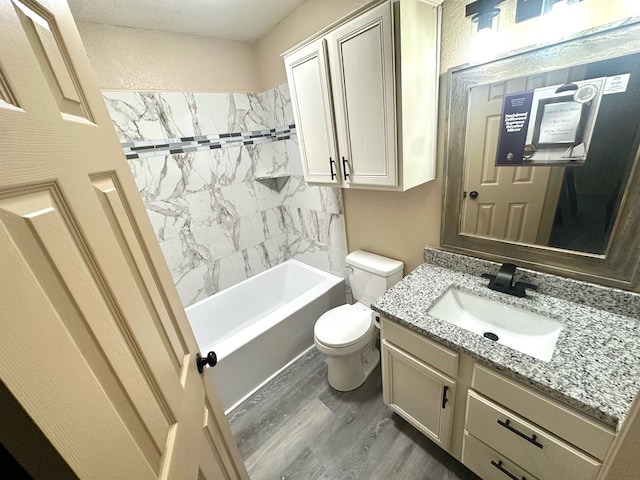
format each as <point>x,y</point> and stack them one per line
<point>595,366</point>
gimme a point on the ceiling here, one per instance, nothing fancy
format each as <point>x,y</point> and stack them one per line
<point>241,20</point>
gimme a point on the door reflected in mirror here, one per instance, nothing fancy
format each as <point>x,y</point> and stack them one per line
<point>561,186</point>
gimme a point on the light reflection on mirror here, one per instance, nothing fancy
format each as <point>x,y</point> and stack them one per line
<point>571,204</point>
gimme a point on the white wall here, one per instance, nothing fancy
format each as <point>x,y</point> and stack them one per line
<point>134,59</point>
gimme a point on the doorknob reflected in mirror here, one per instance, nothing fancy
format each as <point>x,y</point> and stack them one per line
<point>473,194</point>
<point>211,359</point>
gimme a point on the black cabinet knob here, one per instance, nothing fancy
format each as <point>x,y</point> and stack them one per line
<point>473,194</point>
<point>211,359</point>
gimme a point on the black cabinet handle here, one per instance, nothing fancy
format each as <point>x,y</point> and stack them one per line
<point>505,471</point>
<point>211,360</point>
<point>332,162</point>
<point>444,396</point>
<point>531,439</point>
<point>345,164</point>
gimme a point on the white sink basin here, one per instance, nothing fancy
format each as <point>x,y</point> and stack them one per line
<point>524,331</point>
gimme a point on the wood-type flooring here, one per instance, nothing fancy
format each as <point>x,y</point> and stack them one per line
<point>298,427</point>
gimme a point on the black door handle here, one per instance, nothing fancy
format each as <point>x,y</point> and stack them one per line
<point>473,194</point>
<point>211,359</point>
<point>345,164</point>
<point>444,396</point>
<point>332,162</point>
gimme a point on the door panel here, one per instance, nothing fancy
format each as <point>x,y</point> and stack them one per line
<point>361,56</point>
<point>46,43</point>
<point>95,343</point>
<point>510,199</point>
<point>7,98</point>
<point>308,76</point>
<point>416,391</point>
<point>516,223</point>
<point>37,229</point>
<point>362,73</point>
<point>41,356</point>
<point>119,215</point>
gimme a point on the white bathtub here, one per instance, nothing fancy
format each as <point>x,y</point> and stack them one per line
<point>261,324</point>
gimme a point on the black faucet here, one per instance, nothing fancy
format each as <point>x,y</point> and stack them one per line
<point>503,281</point>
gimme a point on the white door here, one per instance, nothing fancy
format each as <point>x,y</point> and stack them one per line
<point>509,200</point>
<point>418,393</point>
<point>361,60</point>
<point>308,77</point>
<point>95,344</point>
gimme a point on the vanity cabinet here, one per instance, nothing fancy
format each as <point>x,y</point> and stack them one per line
<point>364,97</point>
<point>418,381</point>
<point>512,437</point>
<point>511,428</point>
<point>500,428</point>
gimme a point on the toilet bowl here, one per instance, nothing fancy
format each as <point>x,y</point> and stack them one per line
<point>347,334</point>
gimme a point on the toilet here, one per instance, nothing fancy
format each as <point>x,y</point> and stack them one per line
<point>347,334</point>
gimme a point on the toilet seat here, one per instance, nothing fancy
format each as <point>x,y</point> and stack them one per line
<point>344,326</point>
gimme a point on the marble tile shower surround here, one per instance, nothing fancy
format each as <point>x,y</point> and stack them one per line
<point>199,143</point>
<point>225,214</point>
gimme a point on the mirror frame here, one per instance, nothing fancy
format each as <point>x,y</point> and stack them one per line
<point>619,266</point>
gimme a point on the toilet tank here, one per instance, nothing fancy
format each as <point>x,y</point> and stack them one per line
<point>371,275</point>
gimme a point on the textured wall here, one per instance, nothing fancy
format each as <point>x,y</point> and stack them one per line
<point>135,59</point>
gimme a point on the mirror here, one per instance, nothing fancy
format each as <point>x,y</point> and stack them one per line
<point>542,153</point>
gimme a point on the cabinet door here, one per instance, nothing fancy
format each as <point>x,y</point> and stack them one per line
<point>361,60</point>
<point>308,77</point>
<point>418,393</point>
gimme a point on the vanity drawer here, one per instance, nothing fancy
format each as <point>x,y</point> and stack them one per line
<point>487,463</point>
<point>526,444</point>
<point>577,429</point>
<point>419,346</point>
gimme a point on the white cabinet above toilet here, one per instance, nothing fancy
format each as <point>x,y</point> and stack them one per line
<point>364,97</point>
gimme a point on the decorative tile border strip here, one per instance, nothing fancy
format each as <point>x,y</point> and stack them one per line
<point>157,148</point>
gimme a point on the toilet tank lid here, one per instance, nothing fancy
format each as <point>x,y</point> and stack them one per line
<point>374,263</point>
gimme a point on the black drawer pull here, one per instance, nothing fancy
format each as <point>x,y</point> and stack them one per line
<point>332,162</point>
<point>505,471</point>
<point>531,439</point>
